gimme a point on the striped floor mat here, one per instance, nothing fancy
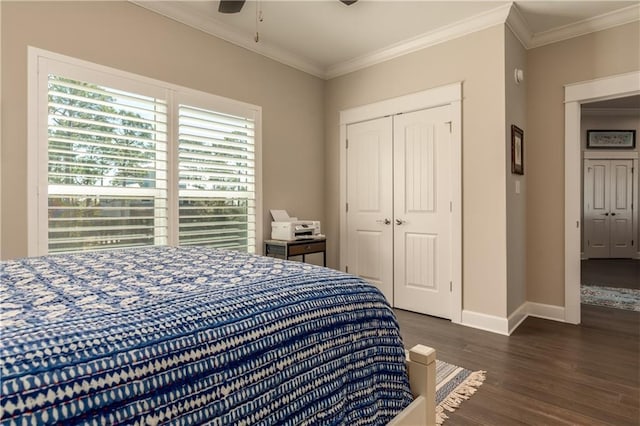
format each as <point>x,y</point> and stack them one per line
<point>453,386</point>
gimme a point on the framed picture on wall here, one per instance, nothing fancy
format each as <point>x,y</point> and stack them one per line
<point>517,150</point>
<point>611,139</point>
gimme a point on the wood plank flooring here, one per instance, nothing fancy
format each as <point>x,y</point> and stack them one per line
<point>546,372</point>
<point>624,273</point>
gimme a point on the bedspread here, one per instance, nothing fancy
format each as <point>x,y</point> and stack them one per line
<point>194,335</point>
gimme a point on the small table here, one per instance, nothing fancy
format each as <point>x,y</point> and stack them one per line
<point>287,249</point>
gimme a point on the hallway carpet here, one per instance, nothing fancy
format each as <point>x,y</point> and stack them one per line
<point>611,297</point>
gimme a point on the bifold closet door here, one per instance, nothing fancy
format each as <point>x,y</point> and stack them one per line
<point>422,211</point>
<point>370,203</point>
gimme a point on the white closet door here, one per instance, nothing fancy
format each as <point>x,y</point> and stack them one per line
<point>422,216</point>
<point>369,197</point>
<point>620,208</point>
<point>596,208</point>
<point>608,208</point>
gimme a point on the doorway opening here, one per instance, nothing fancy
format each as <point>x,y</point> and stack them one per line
<point>610,258</point>
<point>576,95</point>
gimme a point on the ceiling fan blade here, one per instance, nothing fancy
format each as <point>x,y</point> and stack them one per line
<point>230,6</point>
<point>348,2</point>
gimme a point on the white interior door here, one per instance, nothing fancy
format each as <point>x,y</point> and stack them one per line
<point>596,208</point>
<point>370,203</point>
<point>621,208</point>
<point>608,208</point>
<point>422,212</point>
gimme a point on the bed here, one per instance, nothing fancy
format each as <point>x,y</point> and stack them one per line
<point>195,335</point>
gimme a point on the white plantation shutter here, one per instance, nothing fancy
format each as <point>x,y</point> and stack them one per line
<point>107,168</point>
<point>118,160</point>
<point>217,180</point>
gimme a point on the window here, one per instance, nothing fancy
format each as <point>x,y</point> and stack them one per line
<point>124,161</point>
<point>107,167</point>
<point>216,179</point>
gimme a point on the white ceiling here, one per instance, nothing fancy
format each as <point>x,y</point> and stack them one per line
<point>629,102</point>
<point>327,38</point>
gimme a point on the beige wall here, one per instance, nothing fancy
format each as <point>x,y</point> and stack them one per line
<point>124,36</point>
<point>589,121</point>
<point>515,100</point>
<point>127,37</point>
<point>605,53</point>
<point>478,61</point>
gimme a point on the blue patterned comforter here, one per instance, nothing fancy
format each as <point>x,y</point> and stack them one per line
<point>191,336</point>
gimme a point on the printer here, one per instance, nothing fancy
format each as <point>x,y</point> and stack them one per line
<point>296,230</point>
<point>288,228</point>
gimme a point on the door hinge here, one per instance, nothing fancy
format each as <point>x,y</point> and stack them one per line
<point>450,206</point>
<point>632,243</point>
<point>450,125</point>
<point>347,143</point>
<point>347,207</point>
<point>450,285</point>
<point>346,268</point>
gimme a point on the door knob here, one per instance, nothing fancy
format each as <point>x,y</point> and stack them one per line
<point>386,221</point>
<point>606,214</point>
<point>399,221</point>
<point>613,214</point>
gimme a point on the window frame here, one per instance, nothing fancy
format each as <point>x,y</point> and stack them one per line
<point>41,62</point>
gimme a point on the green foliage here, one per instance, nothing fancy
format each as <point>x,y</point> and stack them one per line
<point>92,142</point>
<point>214,222</point>
<point>104,137</point>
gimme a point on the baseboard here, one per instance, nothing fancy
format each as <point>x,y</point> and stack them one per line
<point>550,312</point>
<point>636,256</point>
<point>519,315</point>
<point>485,322</point>
<point>506,326</point>
<point>537,310</point>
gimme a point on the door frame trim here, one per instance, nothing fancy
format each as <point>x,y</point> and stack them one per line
<point>450,94</point>
<point>575,95</point>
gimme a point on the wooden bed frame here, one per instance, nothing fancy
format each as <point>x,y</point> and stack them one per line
<point>421,365</point>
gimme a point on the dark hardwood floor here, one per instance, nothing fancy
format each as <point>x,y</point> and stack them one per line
<point>546,372</point>
<point>623,273</point>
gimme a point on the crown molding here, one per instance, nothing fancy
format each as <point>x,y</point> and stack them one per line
<point>519,27</point>
<point>470,25</point>
<point>597,23</point>
<point>507,14</point>
<point>176,12</point>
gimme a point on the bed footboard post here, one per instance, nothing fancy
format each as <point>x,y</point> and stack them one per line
<point>421,366</point>
<point>422,378</point>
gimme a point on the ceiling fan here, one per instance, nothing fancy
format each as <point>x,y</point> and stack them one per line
<point>234,6</point>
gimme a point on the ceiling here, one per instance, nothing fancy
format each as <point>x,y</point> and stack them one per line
<point>327,38</point>
<point>629,102</point>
